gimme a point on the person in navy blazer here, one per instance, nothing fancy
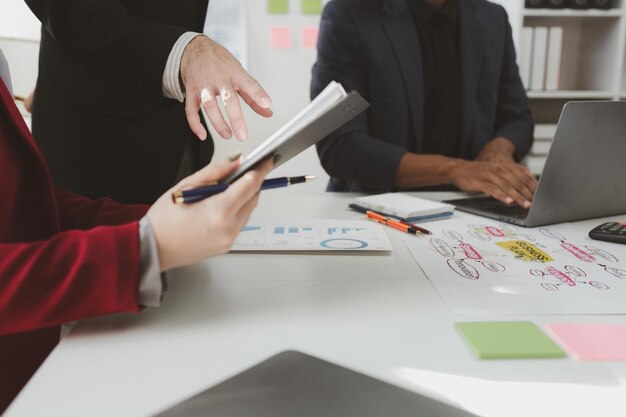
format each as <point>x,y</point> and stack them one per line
<point>374,47</point>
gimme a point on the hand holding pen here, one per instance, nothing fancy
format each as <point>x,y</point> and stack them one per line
<point>197,194</point>
<point>185,235</point>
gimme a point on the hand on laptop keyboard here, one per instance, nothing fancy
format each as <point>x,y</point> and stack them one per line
<point>507,182</point>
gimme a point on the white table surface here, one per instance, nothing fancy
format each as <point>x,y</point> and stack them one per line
<point>375,314</point>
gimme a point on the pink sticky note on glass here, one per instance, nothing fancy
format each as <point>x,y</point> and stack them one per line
<point>591,342</point>
<point>309,37</point>
<point>281,38</point>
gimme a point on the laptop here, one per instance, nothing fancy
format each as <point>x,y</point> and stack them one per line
<point>293,384</point>
<point>584,175</point>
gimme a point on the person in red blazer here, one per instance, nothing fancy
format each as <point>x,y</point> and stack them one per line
<point>64,257</point>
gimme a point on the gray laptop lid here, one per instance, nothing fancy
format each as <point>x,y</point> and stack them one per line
<point>585,173</point>
<point>292,384</point>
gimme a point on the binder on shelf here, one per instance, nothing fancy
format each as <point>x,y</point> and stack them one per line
<point>541,147</point>
<point>540,50</point>
<point>579,4</point>
<point>526,57</point>
<point>554,55</point>
<point>535,164</point>
<point>556,4</point>
<point>602,4</point>
<point>535,4</point>
<point>545,131</point>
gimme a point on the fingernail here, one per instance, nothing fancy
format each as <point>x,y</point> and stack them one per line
<point>242,134</point>
<point>266,102</point>
<point>526,204</point>
<point>235,156</point>
<point>509,200</point>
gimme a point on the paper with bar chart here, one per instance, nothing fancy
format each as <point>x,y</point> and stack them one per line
<point>312,235</point>
<point>482,266</point>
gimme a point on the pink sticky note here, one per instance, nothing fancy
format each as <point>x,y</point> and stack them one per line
<point>591,342</point>
<point>309,37</point>
<point>281,38</point>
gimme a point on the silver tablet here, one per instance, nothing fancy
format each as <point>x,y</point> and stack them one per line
<point>330,110</point>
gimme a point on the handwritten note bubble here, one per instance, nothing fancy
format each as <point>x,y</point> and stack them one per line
<point>442,247</point>
<point>463,269</point>
<point>470,252</point>
<point>494,267</point>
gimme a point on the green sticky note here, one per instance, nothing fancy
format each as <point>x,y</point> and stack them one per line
<point>312,6</point>
<point>278,6</point>
<point>508,340</point>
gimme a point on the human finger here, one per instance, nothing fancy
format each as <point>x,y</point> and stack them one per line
<point>215,116</point>
<point>246,210</point>
<point>235,115</point>
<point>245,187</point>
<point>519,199</point>
<point>254,106</point>
<point>28,102</point>
<point>211,173</point>
<point>497,193</point>
<point>252,92</point>
<point>529,179</point>
<point>238,220</point>
<point>192,106</point>
<point>516,180</point>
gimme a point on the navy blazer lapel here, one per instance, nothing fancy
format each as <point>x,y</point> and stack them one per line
<point>472,53</point>
<point>400,27</point>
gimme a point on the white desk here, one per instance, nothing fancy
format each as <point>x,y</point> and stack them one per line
<point>375,314</point>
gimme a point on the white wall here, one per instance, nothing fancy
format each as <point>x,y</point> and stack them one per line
<point>17,21</point>
<point>19,40</point>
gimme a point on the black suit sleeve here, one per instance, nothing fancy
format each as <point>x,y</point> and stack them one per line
<point>350,153</point>
<point>513,119</point>
<point>105,37</point>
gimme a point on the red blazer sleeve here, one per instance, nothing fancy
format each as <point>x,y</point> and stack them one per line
<point>73,275</point>
<point>78,212</point>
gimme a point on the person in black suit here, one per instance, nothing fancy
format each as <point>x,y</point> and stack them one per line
<point>108,110</point>
<point>447,102</point>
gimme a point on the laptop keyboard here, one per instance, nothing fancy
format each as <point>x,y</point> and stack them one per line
<point>492,205</point>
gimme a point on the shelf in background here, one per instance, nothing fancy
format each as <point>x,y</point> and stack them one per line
<point>566,95</point>
<point>589,13</point>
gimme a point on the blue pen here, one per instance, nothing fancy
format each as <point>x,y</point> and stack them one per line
<point>197,194</point>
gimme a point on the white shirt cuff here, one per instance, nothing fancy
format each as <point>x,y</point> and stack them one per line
<point>152,283</point>
<point>171,75</point>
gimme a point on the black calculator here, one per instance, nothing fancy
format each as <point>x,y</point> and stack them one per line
<point>610,232</point>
